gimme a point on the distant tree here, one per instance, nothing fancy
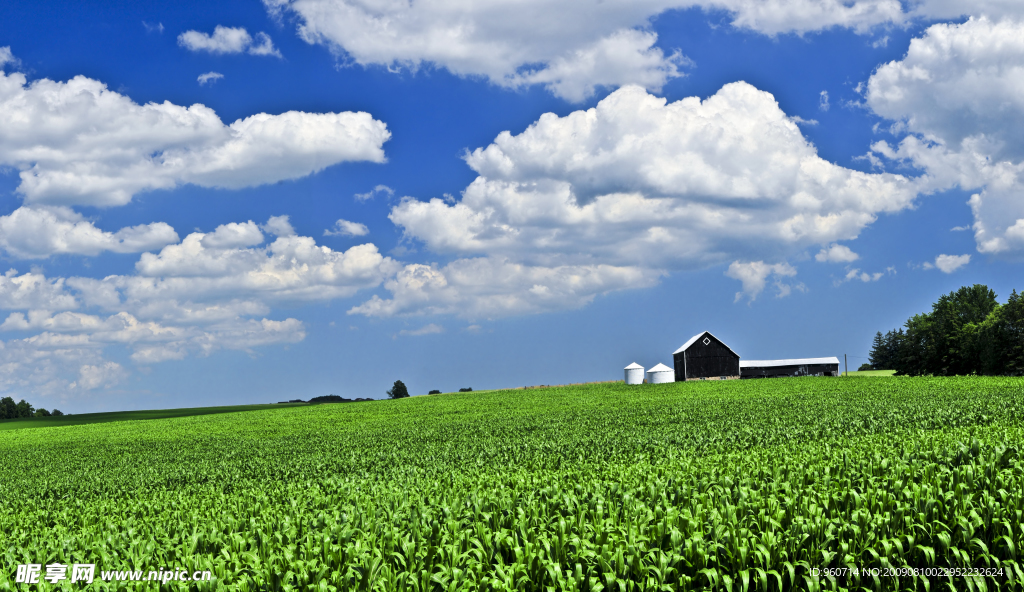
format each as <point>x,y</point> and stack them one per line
<point>955,320</point>
<point>41,413</point>
<point>917,348</point>
<point>864,367</point>
<point>1000,339</point>
<point>877,354</point>
<point>966,332</point>
<point>56,413</point>
<point>465,390</point>
<point>24,409</point>
<point>895,343</point>
<point>885,350</point>
<point>1012,334</point>
<point>434,392</point>
<point>328,399</point>
<point>398,390</point>
<point>8,409</point>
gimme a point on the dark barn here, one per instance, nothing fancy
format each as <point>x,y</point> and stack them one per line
<point>703,357</point>
<point>795,367</point>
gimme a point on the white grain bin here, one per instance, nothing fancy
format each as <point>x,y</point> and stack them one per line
<point>660,374</point>
<point>634,374</point>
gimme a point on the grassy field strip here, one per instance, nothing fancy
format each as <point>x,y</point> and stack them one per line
<point>732,485</point>
<point>88,418</point>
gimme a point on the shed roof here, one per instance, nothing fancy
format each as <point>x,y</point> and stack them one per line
<point>661,368</point>
<point>693,339</point>
<point>790,362</point>
<point>633,366</point>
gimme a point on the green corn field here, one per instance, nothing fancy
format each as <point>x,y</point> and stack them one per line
<point>788,484</point>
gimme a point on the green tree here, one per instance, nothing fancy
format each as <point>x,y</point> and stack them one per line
<point>886,354</point>
<point>1013,334</point>
<point>57,413</point>
<point>876,358</point>
<point>41,413</point>
<point>398,390</point>
<point>955,320</point>
<point>886,350</point>
<point>8,409</point>
<point>23,409</point>
<point>1000,339</point>
<point>966,332</point>
<point>916,348</point>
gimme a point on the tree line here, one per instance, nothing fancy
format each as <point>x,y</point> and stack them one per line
<point>966,332</point>
<point>22,409</point>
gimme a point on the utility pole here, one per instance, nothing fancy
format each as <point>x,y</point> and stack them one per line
<point>847,365</point>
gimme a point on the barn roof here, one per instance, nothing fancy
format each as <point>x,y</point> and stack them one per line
<point>693,340</point>
<point>661,368</point>
<point>791,362</point>
<point>633,366</point>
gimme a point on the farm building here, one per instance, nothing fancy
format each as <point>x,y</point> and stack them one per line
<point>794,367</point>
<point>705,357</point>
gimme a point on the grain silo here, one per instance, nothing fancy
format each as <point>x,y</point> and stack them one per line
<point>660,374</point>
<point>634,374</point>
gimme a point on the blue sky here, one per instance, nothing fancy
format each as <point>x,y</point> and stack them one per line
<point>258,201</point>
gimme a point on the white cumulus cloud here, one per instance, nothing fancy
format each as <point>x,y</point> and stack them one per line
<point>836,254</point>
<point>863,276</point>
<point>951,9</point>
<point>46,364</point>
<point>754,277</point>
<point>959,92</point>
<point>522,42</point>
<point>626,56</point>
<point>347,228</point>
<point>93,377</point>
<point>37,232</point>
<point>492,287</point>
<point>34,290</point>
<point>290,267</point>
<point>226,40</point>
<point>643,187</point>
<point>958,81</point>
<point>6,57</point>
<point>79,143</point>
<point>233,235</point>
<point>212,291</point>
<point>949,263</point>
<point>279,226</point>
<point>511,44</point>
<point>640,184</point>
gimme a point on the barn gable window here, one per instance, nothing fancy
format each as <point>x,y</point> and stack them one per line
<point>707,341</point>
